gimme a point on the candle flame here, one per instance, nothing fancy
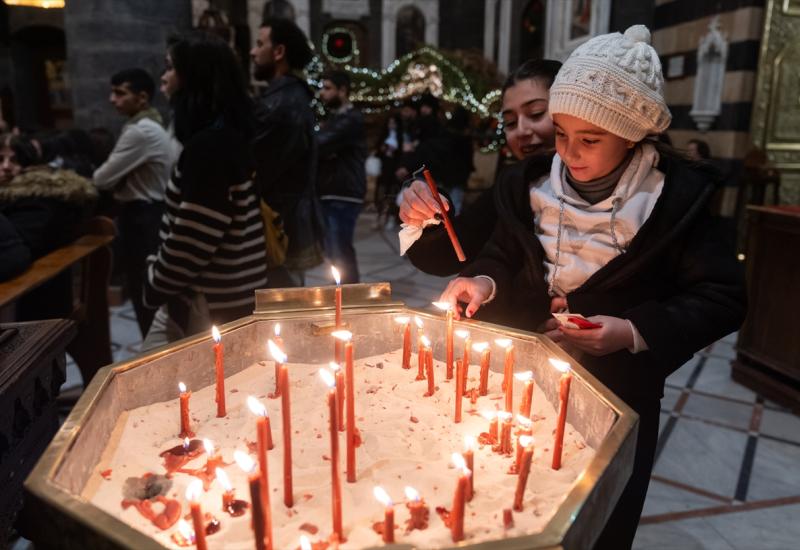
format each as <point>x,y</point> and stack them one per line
<point>418,321</point>
<point>256,406</point>
<point>412,494</point>
<point>382,496</point>
<point>276,352</point>
<point>208,446</point>
<point>460,463</point>
<point>444,306</point>
<point>480,346</point>
<point>343,335</point>
<point>503,415</point>
<point>193,490</point>
<point>336,276</point>
<point>524,376</point>
<point>524,420</point>
<point>470,443</point>
<point>334,366</point>
<point>305,544</point>
<point>461,333</point>
<point>186,443</point>
<point>328,378</point>
<point>402,320</point>
<point>215,334</point>
<point>489,415</point>
<point>525,440</point>
<point>185,530</point>
<point>426,341</point>
<point>276,330</point>
<point>181,387</point>
<point>503,342</point>
<point>561,366</point>
<point>244,461</point>
<point>223,479</point>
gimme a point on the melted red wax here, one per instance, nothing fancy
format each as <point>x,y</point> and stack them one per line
<point>237,508</point>
<point>444,513</point>
<point>309,528</point>
<point>168,516</point>
<point>208,472</point>
<point>177,456</point>
<point>485,438</point>
<point>417,521</point>
<point>106,474</point>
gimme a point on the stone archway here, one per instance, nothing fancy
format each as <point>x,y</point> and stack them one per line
<point>409,30</point>
<point>390,10</point>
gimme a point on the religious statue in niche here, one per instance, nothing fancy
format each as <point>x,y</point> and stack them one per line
<point>712,54</point>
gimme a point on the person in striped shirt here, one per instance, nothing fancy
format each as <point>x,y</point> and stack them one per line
<point>212,255</point>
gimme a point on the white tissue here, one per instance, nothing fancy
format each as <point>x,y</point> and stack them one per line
<point>410,233</point>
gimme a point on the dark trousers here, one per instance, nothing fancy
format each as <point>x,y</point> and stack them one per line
<point>621,526</point>
<point>340,218</point>
<point>137,225</point>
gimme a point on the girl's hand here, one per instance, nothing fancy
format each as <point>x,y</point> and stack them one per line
<point>614,335</point>
<point>472,291</point>
<point>558,304</point>
<point>418,204</point>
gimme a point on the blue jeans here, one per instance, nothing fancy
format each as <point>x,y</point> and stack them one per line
<point>340,218</point>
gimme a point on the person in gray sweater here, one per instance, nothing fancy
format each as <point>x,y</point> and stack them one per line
<point>137,172</point>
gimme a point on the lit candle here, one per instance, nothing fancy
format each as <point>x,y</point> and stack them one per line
<point>228,494</point>
<point>563,400</point>
<point>276,330</point>
<point>459,389</point>
<point>262,439</point>
<point>219,368</point>
<point>491,416</point>
<point>388,516</point>
<point>337,345</point>
<point>417,508</point>
<point>184,535</point>
<point>464,334</point>
<point>336,482</point>
<point>428,366</point>
<point>186,429</point>
<point>422,354</point>
<point>213,459</point>
<point>527,393</point>
<point>418,322</point>
<point>305,544</point>
<point>508,371</point>
<point>469,459</point>
<point>459,499</point>
<point>347,337</point>
<point>505,432</point>
<point>406,322</point>
<point>524,469</point>
<point>483,349</point>
<point>525,429</point>
<point>193,496</point>
<point>339,375</point>
<point>446,307</point>
<point>286,418</point>
<point>249,466</point>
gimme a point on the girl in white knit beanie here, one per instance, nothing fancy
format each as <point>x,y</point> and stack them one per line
<point>619,233</point>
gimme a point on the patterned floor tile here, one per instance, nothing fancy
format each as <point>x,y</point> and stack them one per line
<point>663,498</point>
<point>784,425</point>
<point>719,410</point>
<point>716,378</point>
<point>776,471</point>
<point>690,534</point>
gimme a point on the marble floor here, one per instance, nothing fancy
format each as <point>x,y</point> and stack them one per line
<point>727,472</point>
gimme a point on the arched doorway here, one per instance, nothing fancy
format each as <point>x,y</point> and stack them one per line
<point>533,24</point>
<point>42,98</point>
<point>279,8</point>
<point>410,30</point>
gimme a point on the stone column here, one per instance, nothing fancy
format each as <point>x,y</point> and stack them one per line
<point>104,37</point>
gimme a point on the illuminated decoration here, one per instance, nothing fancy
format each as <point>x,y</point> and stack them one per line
<point>46,4</point>
<point>340,45</point>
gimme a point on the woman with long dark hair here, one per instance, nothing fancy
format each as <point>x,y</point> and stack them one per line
<point>212,254</point>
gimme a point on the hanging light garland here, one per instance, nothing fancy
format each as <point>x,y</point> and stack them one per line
<point>352,56</point>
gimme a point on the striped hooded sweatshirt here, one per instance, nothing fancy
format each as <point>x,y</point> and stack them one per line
<point>212,236</point>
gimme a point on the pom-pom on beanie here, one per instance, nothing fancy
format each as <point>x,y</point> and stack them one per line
<point>614,81</point>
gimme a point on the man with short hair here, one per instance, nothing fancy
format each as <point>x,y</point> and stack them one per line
<point>137,172</point>
<point>342,177</point>
<point>285,146</point>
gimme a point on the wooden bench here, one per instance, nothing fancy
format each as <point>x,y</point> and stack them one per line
<point>91,254</point>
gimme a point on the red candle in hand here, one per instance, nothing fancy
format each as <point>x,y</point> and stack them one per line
<point>445,306</point>
<point>219,369</point>
<point>508,371</point>
<point>337,345</point>
<point>336,482</point>
<point>467,345</point>
<point>527,392</point>
<point>388,515</point>
<point>347,337</point>
<point>249,466</point>
<point>339,376</point>
<point>263,440</point>
<point>405,321</point>
<point>469,460</point>
<point>186,429</point>
<point>286,418</point>
<point>193,495</point>
<point>278,342</point>
<point>563,400</point>
<point>483,349</point>
<point>459,499</point>
<point>459,389</point>
<point>524,469</point>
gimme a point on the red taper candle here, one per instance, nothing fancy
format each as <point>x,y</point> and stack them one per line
<point>388,514</point>
<point>193,496</point>
<point>186,428</point>
<point>256,505</point>
<point>336,481</point>
<point>459,499</point>
<point>349,380</point>
<point>524,470</point>
<point>459,389</point>
<point>563,401</point>
<point>219,371</point>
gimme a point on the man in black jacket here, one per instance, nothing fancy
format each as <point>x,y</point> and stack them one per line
<point>285,146</point>
<point>342,178</point>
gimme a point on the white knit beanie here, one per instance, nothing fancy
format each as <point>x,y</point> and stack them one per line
<point>614,81</point>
